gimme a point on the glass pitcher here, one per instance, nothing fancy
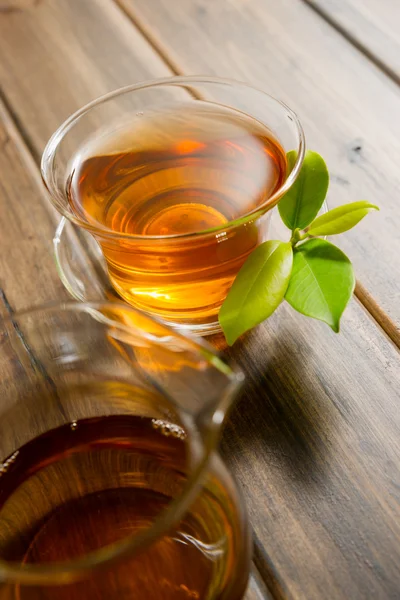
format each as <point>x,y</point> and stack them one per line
<point>110,484</point>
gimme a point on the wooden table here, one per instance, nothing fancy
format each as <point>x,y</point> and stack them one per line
<point>315,440</point>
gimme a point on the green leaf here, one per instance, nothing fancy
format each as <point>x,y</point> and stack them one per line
<point>340,219</point>
<point>302,202</point>
<point>322,281</point>
<point>258,289</point>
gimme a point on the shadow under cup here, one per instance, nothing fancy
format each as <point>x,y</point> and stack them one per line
<point>110,486</point>
<point>182,277</point>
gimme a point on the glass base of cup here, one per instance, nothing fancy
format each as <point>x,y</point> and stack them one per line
<point>83,271</point>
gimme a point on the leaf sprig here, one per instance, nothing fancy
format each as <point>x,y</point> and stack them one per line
<point>315,277</point>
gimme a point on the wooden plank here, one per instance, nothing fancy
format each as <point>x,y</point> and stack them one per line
<point>26,227</point>
<point>28,274</point>
<point>348,107</point>
<point>28,277</point>
<point>57,56</point>
<point>373,26</point>
<point>315,442</point>
<point>315,439</point>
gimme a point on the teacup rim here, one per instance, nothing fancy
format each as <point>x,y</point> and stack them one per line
<point>58,199</point>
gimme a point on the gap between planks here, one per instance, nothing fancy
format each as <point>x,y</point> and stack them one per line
<point>25,145</point>
<point>256,587</point>
<point>373,309</point>
<point>149,36</point>
<point>267,573</point>
<point>349,37</point>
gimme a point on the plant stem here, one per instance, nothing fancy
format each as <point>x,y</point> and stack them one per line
<point>298,236</point>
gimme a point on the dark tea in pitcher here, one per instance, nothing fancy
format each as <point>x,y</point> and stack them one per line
<point>82,486</point>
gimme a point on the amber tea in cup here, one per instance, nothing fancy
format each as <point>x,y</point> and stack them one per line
<point>177,193</point>
<point>178,172</point>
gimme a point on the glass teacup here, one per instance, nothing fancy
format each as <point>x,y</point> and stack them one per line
<point>110,482</point>
<point>175,179</point>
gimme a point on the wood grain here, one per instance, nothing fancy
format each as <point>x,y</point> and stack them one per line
<point>373,26</point>
<point>57,56</point>
<point>27,277</point>
<point>27,226</point>
<point>314,440</point>
<point>28,274</point>
<point>348,107</point>
<point>312,434</point>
